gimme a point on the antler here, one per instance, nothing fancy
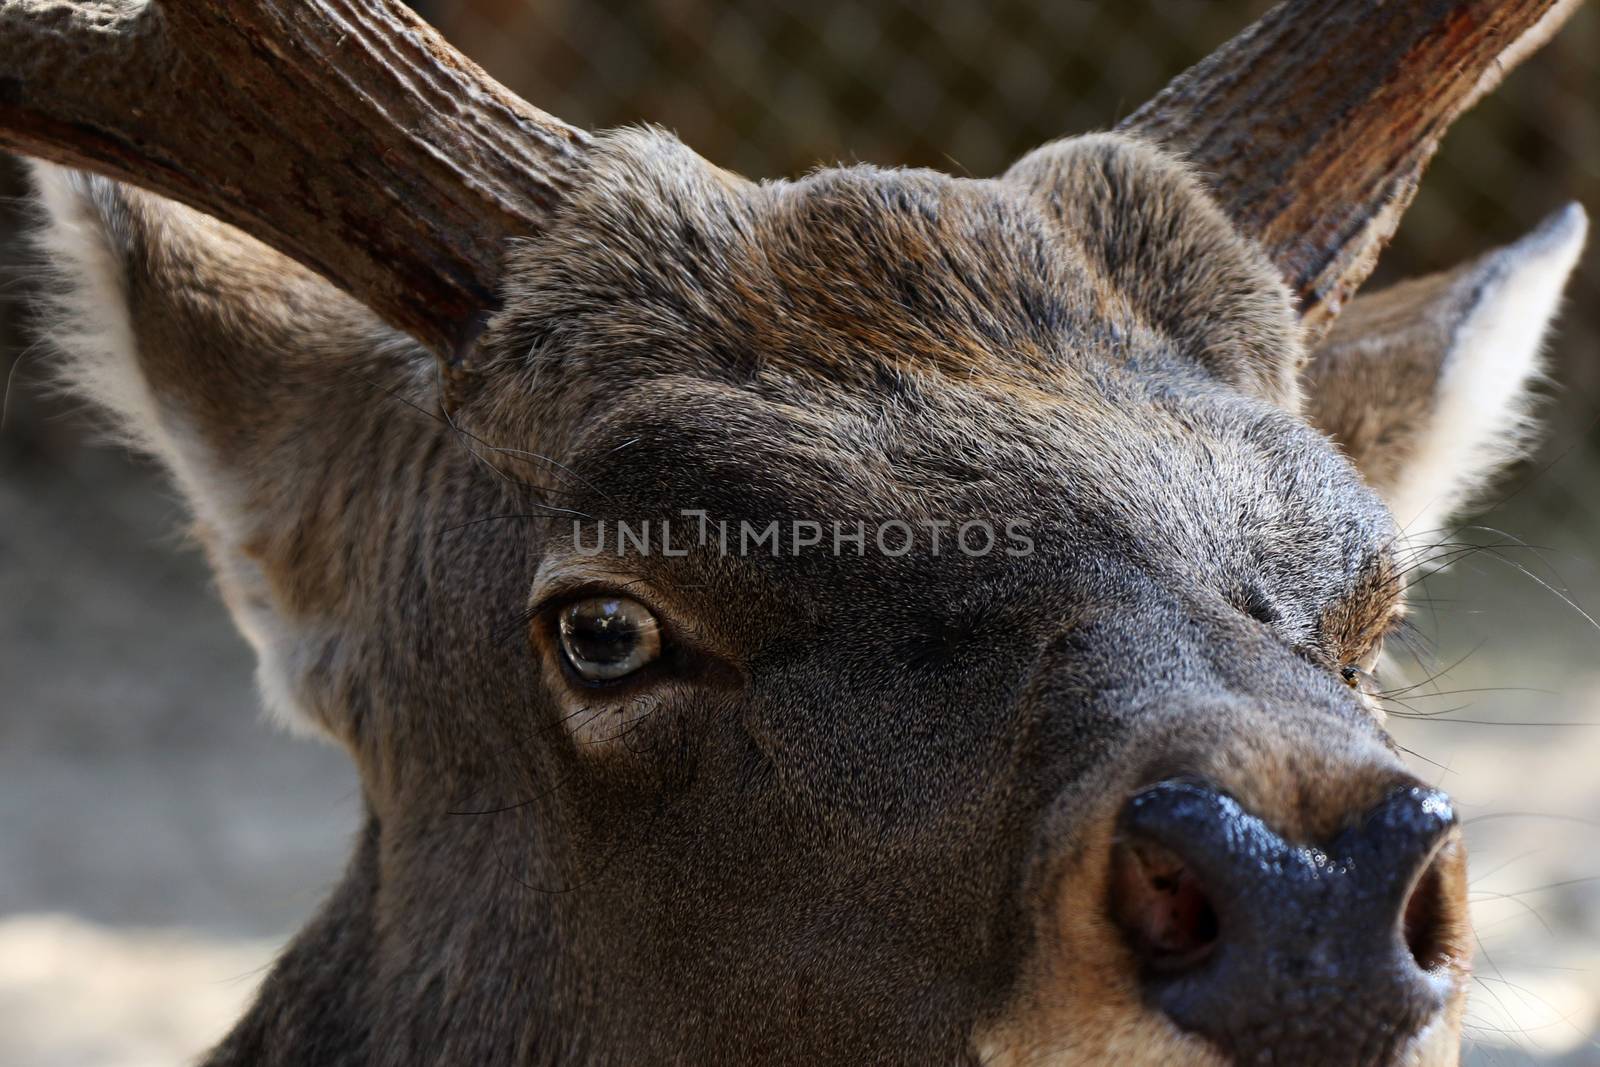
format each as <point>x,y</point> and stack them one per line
<point>349,135</point>
<point>1315,124</point>
<point>345,133</point>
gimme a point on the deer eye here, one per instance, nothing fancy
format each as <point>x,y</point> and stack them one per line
<point>1361,674</point>
<point>605,638</point>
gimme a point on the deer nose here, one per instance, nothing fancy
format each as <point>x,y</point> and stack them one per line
<point>1264,946</point>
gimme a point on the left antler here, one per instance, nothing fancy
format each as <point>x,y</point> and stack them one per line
<point>344,133</point>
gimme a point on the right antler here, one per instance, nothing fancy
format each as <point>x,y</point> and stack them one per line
<point>1314,125</point>
<point>345,133</point>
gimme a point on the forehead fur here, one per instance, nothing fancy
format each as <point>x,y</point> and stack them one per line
<point>1086,335</point>
<point>1092,255</point>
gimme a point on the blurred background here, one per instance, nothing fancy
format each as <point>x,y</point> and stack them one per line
<point>158,841</point>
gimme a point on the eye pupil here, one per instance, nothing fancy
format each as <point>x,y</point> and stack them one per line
<point>608,637</point>
<point>603,633</point>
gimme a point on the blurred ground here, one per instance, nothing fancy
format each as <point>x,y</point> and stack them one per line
<point>158,842</point>
<point>1512,729</point>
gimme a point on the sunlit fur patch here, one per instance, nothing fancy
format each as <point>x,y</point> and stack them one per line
<point>1353,626</point>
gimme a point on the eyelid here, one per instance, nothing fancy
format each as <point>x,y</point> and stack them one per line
<point>569,577</point>
<point>564,593</point>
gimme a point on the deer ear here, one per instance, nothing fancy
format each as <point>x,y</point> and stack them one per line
<point>1426,385</point>
<point>262,389</point>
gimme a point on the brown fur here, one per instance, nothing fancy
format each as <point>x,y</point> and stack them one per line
<point>863,816</point>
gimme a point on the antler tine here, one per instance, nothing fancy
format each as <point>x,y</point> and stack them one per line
<point>347,134</point>
<point>1315,124</point>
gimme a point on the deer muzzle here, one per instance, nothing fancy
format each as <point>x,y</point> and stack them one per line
<point>1268,948</point>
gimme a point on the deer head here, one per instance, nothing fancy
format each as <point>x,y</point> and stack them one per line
<point>874,618</point>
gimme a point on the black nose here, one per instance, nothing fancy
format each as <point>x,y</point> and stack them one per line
<point>1279,952</point>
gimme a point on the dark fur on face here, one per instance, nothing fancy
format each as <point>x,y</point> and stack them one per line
<point>839,851</point>
<point>860,812</point>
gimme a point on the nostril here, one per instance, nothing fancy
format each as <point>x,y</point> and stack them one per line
<point>1161,907</point>
<point>1272,948</point>
<point>1424,920</point>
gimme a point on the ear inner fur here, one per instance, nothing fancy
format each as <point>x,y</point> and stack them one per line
<point>1425,385</point>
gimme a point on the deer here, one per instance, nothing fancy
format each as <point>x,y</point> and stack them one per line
<point>1117,790</point>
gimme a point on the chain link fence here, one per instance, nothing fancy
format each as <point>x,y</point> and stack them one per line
<point>772,88</point>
